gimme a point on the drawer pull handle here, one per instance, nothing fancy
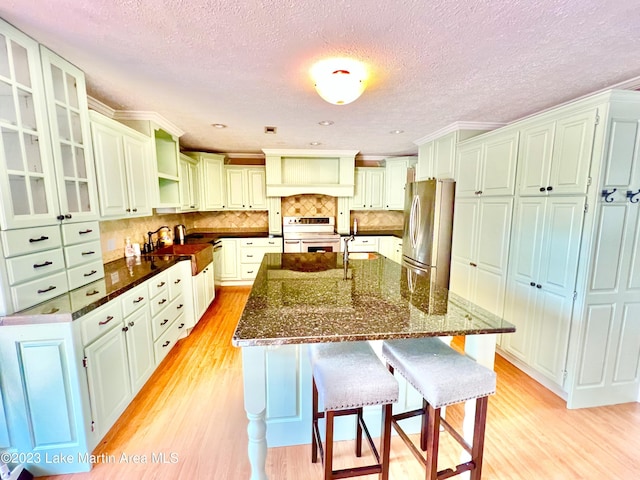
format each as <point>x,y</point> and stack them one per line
<point>181,325</point>
<point>166,344</point>
<point>250,271</point>
<point>51,287</point>
<point>272,243</point>
<point>42,238</point>
<point>40,265</point>
<point>164,322</point>
<point>177,281</point>
<point>473,264</point>
<point>92,272</point>
<point>162,302</point>
<point>179,306</point>
<point>249,243</point>
<point>138,300</point>
<point>82,232</point>
<point>90,252</point>
<point>160,285</point>
<point>104,322</point>
<point>52,311</point>
<point>249,256</point>
<point>92,292</point>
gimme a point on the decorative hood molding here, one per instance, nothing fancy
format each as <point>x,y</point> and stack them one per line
<point>295,172</point>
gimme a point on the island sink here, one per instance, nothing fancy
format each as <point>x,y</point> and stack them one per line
<point>201,254</point>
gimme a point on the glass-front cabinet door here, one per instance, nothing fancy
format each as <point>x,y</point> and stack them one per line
<point>66,98</point>
<point>27,186</point>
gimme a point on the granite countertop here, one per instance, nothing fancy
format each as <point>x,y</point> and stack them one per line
<point>119,276</point>
<point>379,232</point>
<point>303,298</point>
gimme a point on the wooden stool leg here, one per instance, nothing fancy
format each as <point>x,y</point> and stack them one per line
<point>328,447</point>
<point>359,433</point>
<point>314,424</point>
<point>425,426</point>
<point>385,440</point>
<point>478,437</point>
<point>433,440</point>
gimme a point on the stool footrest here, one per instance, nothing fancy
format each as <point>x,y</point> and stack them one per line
<point>356,471</point>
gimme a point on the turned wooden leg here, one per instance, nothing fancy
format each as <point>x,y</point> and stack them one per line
<point>425,425</point>
<point>433,440</point>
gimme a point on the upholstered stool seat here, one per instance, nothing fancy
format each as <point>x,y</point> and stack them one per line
<point>443,377</point>
<point>347,377</point>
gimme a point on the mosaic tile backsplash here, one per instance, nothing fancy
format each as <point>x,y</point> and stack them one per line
<point>309,206</point>
<point>378,219</point>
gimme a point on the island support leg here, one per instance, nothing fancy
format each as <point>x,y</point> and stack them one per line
<point>255,399</point>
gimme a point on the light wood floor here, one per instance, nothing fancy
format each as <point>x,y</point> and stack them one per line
<point>192,408</point>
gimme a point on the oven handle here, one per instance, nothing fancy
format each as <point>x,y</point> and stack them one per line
<point>321,241</point>
<point>292,241</point>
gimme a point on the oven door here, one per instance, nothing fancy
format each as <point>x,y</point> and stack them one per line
<point>321,245</point>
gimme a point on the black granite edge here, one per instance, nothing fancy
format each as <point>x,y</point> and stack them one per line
<point>377,233</point>
<point>116,265</point>
<point>210,237</point>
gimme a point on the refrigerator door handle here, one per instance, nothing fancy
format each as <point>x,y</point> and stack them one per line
<point>415,221</point>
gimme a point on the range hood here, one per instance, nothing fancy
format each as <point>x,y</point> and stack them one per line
<point>296,172</point>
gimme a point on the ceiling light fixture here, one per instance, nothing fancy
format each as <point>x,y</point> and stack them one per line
<point>396,132</point>
<point>339,80</point>
<point>315,144</point>
<point>218,125</point>
<point>325,123</point>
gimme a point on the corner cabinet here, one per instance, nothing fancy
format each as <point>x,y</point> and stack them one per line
<point>211,180</point>
<point>395,175</point>
<point>369,191</point>
<point>123,160</point>
<point>189,184</point>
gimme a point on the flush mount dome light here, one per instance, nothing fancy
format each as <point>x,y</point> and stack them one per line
<point>339,80</point>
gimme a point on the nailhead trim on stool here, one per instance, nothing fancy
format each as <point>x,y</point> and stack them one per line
<point>443,377</point>
<point>348,376</point>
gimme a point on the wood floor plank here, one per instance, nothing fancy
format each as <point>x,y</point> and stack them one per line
<point>192,408</point>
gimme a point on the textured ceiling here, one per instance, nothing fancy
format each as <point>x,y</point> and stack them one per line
<point>245,63</point>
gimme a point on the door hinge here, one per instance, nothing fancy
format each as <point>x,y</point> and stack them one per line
<point>85,363</point>
<point>93,426</point>
<point>586,207</point>
<point>597,119</point>
<point>575,295</point>
<point>564,376</point>
<point>588,181</point>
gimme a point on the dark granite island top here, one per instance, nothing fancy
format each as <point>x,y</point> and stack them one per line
<point>303,298</point>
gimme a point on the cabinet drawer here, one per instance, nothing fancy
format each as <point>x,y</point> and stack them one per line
<point>251,255</point>
<point>261,242</point>
<point>31,293</point>
<point>73,233</point>
<point>29,240</point>
<point>83,253</point>
<point>79,276</point>
<point>159,302</point>
<point>248,271</point>
<point>159,285</point>
<point>161,322</point>
<point>83,296</point>
<point>100,321</point>
<point>179,278</point>
<point>34,265</point>
<point>134,299</point>
<point>167,340</point>
<point>364,245</point>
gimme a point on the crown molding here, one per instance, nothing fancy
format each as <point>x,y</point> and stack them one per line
<point>149,116</point>
<point>303,152</point>
<point>458,126</point>
<point>98,106</point>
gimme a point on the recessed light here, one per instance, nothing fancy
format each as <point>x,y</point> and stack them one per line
<point>315,144</point>
<point>325,123</point>
<point>270,130</point>
<point>218,125</point>
<point>396,132</point>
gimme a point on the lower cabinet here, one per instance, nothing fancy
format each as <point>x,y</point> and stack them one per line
<point>364,244</point>
<point>241,258</point>
<point>390,247</point>
<point>203,291</point>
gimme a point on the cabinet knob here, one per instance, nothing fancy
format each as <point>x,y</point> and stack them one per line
<point>125,329</point>
<point>131,324</point>
<point>68,216</point>
<point>549,188</point>
<point>533,284</point>
<point>478,192</point>
<point>135,209</point>
<point>60,217</point>
<point>542,189</point>
<point>538,285</point>
<point>128,210</point>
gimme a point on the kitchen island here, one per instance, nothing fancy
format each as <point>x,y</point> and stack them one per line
<point>303,298</point>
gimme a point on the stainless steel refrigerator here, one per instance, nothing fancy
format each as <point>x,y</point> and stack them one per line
<point>428,226</point>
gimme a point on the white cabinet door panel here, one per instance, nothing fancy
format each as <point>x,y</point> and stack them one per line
<point>499,165</point>
<point>534,158</point>
<point>494,229</point>
<point>139,348</point>
<point>469,169</point>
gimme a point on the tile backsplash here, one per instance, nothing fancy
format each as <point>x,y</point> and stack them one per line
<point>378,219</point>
<point>309,205</point>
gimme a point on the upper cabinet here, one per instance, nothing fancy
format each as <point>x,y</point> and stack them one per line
<point>369,189</point>
<point>246,188</point>
<point>189,184</point>
<point>45,142</point>
<point>123,160</point>
<point>487,165</point>
<point>211,180</point>
<point>66,97</point>
<point>555,154</point>
<point>395,180</point>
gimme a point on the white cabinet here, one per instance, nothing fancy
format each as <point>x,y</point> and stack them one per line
<point>487,165</point>
<point>139,342</point>
<point>480,248</point>
<point>541,282</point>
<point>369,189</point>
<point>555,154</point>
<point>189,184</point>
<point>275,215</point>
<point>246,188</point>
<point>343,222</point>
<point>212,180</point>
<point>395,180</point>
<point>364,244</point>
<point>123,161</point>
<point>230,260</point>
<point>252,251</point>
<point>204,290</point>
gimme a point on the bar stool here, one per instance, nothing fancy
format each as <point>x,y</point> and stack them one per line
<point>346,377</point>
<point>443,377</point>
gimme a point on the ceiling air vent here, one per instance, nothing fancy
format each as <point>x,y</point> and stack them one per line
<point>270,130</point>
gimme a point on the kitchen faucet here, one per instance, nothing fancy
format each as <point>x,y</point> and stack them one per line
<point>345,255</point>
<point>150,246</point>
